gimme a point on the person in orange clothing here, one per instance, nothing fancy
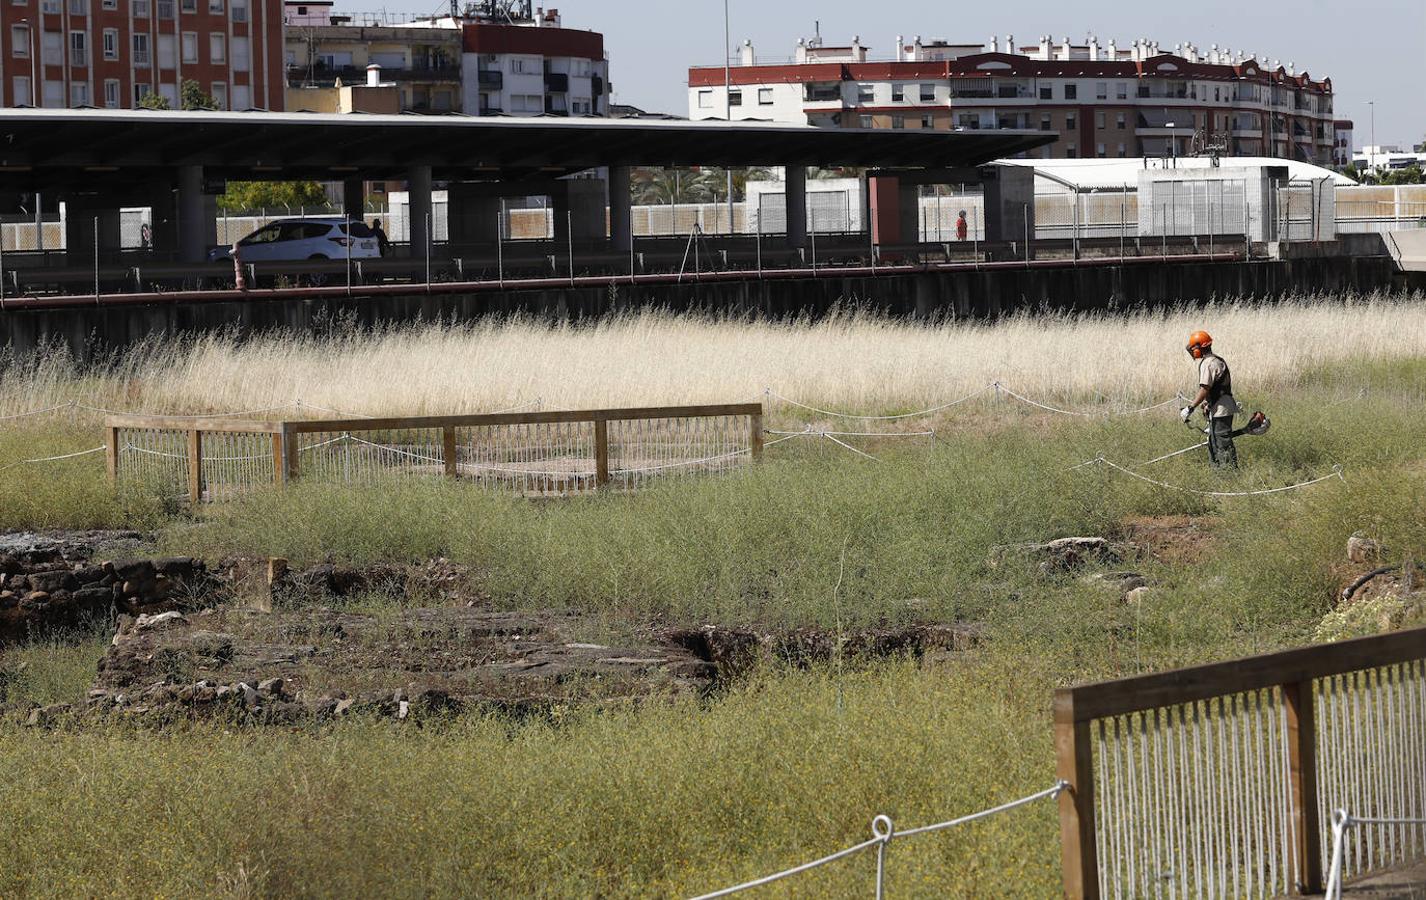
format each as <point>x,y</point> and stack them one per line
<point>1215,395</point>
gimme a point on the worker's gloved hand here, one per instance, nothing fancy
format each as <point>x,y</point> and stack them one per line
<point>1185,414</point>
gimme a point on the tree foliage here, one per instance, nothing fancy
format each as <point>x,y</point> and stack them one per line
<point>708,184</point>
<point>250,196</point>
<point>190,97</point>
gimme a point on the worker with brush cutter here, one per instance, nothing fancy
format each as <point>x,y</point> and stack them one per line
<point>1215,395</point>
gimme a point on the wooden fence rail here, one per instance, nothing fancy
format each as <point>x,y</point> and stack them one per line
<point>537,452</point>
<point>1219,780</point>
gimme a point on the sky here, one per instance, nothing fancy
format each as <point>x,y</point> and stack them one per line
<point>1371,49</point>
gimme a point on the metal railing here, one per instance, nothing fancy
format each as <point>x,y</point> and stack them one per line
<point>531,453</point>
<point>1219,779</point>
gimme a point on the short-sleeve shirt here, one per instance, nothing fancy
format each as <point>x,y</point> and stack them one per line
<point>1211,368</point>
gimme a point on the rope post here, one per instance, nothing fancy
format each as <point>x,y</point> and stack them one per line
<point>111,453</point>
<point>1079,854</point>
<point>1302,784</point>
<point>883,830</point>
<point>449,452</point>
<point>195,466</point>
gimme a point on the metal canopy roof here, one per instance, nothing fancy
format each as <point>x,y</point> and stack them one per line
<point>69,146</point>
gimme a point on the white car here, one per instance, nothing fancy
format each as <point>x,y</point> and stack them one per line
<point>289,240</point>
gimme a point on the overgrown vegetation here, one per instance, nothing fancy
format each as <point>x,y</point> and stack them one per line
<point>671,799</point>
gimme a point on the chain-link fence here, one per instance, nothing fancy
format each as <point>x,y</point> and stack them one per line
<point>828,212</point>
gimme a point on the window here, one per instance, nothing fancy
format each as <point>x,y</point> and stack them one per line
<point>242,58</point>
<point>167,51</point>
<point>242,97</point>
<point>19,2</point>
<point>141,91</point>
<point>23,95</point>
<point>1046,123</point>
<point>50,6</point>
<point>1071,152</point>
<point>111,43</point>
<point>1047,93</point>
<point>898,93</point>
<point>1099,120</point>
<point>188,6</point>
<point>141,50</point>
<point>1071,121</point>
<point>166,10</point>
<point>240,10</point>
<point>52,49</point>
<point>764,96</point>
<point>866,93</point>
<point>1101,91</point>
<point>928,93</point>
<point>190,46</point>
<point>865,122</point>
<point>705,99</point>
<point>110,4</point>
<point>928,121</point>
<point>54,94</point>
<point>1121,90</point>
<point>898,121</point>
<point>78,94</point>
<point>517,67</point>
<point>220,94</point>
<point>20,41</point>
<point>1122,152</point>
<point>140,8</point>
<point>1099,151</point>
<point>111,93</point>
<point>217,48</point>
<point>1071,91</point>
<point>1119,122</point>
<point>735,98</point>
<point>79,7</point>
<point>78,49</point>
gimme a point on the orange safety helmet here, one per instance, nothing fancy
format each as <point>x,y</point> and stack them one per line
<point>1198,342</point>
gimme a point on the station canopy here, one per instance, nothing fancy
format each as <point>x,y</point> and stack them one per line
<point>64,146</point>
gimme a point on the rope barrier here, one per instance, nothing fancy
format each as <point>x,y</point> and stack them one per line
<point>911,415</point>
<point>1336,473</point>
<point>1159,459</point>
<point>1341,822</point>
<point>682,464</point>
<point>44,459</point>
<point>291,404</point>
<point>883,832</point>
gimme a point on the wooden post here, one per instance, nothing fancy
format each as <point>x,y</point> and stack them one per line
<point>755,435</point>
<point>1302,784</point>
<point>601,452</point>
<point>292,462</point>
<point>1079,856</point>
<point>448,451</point>
<point>279,460</point>
<point>111,452</point>
<point>195,466</point>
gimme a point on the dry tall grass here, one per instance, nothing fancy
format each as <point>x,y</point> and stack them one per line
<point>849,361</point>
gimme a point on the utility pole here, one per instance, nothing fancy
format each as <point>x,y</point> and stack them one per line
<point>728,98</point>
<point>1371,157</point>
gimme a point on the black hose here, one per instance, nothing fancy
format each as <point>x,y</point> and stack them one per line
<point>1357,585</point>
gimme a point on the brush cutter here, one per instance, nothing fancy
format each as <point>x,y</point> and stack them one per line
<point>1258,424</point>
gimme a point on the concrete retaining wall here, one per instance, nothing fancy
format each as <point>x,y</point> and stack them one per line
<point>960,294</point>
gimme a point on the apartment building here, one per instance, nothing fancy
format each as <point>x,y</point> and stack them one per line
<point>422,58</point>
<point>1342,148</point>
<point>498,57</point>
<point>113,53</point>
<point>529,64</point>
<point>1101,99</point>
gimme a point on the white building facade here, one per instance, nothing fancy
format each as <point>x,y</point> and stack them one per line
<point>532,68</point>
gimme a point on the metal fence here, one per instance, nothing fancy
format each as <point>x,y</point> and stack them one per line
<point>1219,780</point>
<point>539,453</point>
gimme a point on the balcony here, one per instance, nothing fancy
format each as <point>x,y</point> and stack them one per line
<point>491,78</point>
<point>352,75</point>
<point>557,82</point>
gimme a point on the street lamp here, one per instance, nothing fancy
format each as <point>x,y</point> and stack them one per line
<point>1371,157</point>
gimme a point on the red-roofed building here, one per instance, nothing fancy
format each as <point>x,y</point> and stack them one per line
<point>1102,100</point>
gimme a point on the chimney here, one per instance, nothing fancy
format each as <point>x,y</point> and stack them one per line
<point>749,57</point>
<point>1094,49</point>
<point>1010,44</point>
<point>540,17</point>
<point>373,75</point>
<point>900,48</point>
<point>1113,50</point>
<point>1065,49</point>
<point>1045,47</point>
<point>994,45</point>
